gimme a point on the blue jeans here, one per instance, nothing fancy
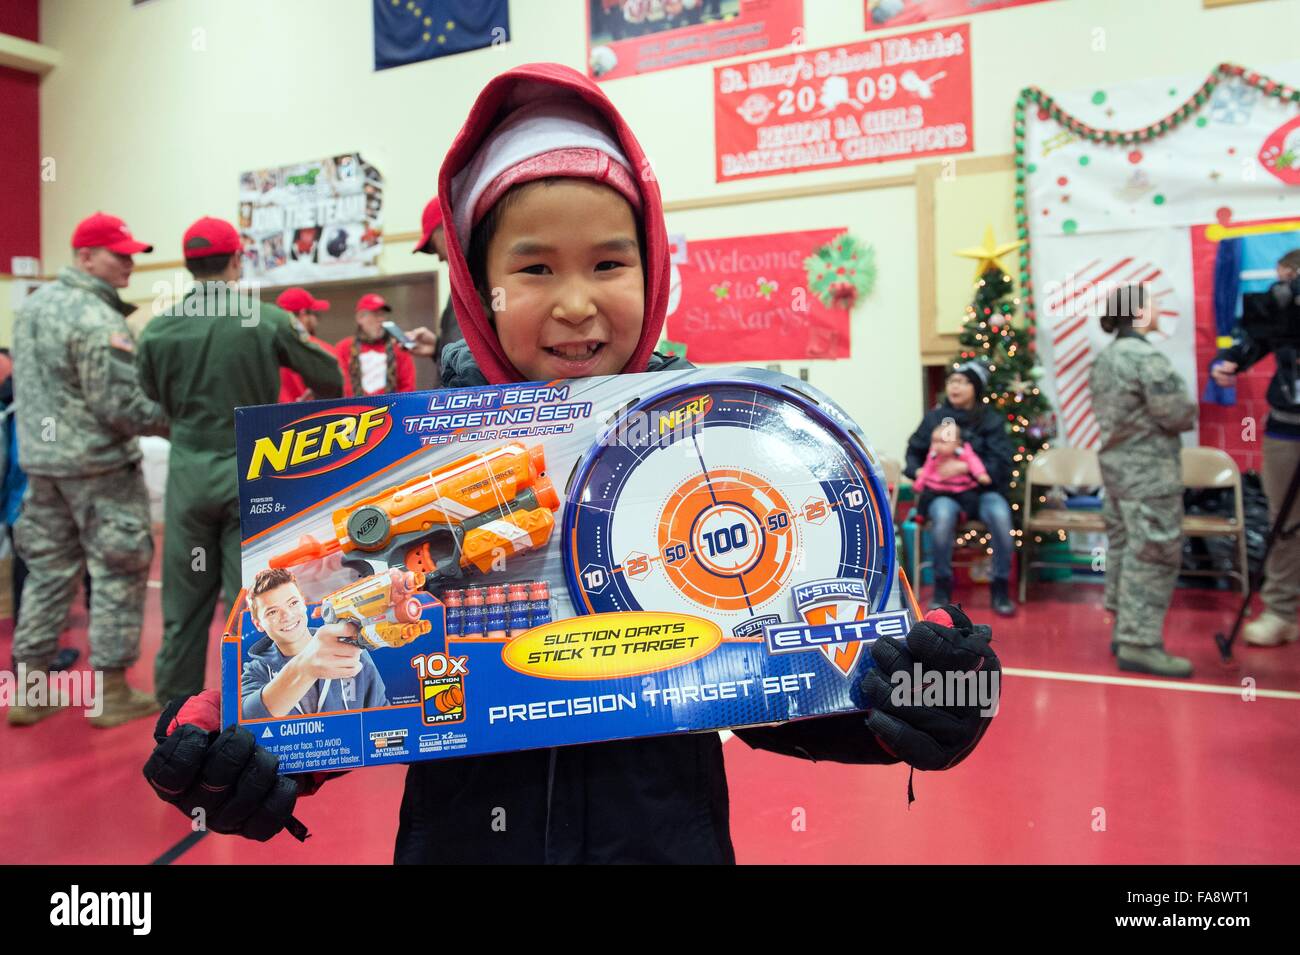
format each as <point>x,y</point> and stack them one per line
<point>995,512</point>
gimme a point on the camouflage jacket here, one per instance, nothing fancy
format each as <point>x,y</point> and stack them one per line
<point>77,397</point>
<point>1142,405</point>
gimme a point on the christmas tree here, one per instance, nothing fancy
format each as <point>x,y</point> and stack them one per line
<point>1007,351</point>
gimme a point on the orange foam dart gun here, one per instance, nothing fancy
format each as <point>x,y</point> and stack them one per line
<point>468,513</point>
<point>383,607</point>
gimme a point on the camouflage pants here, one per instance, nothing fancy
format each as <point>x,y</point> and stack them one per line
<point>1143,554</point>
<point>100,523</point>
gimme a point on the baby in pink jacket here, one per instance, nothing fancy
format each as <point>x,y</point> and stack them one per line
<point>946,445</point>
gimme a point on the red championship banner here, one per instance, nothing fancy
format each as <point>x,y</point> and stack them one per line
<point>627,37</point>
<point>747,299</point>
<point>881,14</point>
<point>902,97</point>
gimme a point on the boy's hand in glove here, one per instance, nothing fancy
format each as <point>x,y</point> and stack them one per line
<point>932,737</point>
<point>225,773</point>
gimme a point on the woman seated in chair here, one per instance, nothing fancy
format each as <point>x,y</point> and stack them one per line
<point>963,459</point>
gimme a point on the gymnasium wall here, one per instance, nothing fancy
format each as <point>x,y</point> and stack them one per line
<point>156,109</point>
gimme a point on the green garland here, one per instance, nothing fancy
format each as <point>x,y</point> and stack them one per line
<point>842,271</point>
<point>1113,137</point>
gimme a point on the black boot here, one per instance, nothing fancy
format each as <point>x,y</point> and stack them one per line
<point>942,592</point>
<point>1001,594</point>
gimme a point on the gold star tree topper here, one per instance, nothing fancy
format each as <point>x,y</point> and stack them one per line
<point>989,253</point>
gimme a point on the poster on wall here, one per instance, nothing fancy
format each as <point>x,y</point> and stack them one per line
<point>1101,215</point>
<point>312,221</point>
<point>627,37</point>
<point>747,299</point>
<point>902,97</point>
<point>1250,267</point>
<point>905,13</point>
<point>1082,269</point>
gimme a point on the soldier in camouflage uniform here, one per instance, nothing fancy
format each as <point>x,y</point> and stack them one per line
<point>1142,405</point>
<point>79,408</point>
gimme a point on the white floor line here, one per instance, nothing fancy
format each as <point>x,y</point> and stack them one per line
<point>1156,684</point>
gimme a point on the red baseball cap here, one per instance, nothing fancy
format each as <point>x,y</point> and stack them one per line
<point>300,300</point>
<point>430,221</point>
<point>371,302</point>
<point>109,232</point>
<point>210,236</point>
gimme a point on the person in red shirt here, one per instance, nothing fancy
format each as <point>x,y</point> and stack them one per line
<point>306,308</point>
<point>374,363</point>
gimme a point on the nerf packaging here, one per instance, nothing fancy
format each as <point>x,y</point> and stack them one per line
<point>509,567</point>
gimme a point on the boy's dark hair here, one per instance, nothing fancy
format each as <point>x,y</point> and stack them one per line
<point>480,237</point>
<point>1122,307</point>
<point>1291,260</point>
<point>209,266</point>
<point>268,579</point>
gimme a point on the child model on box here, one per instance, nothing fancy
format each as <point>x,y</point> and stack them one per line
<point>295,670</point>
<point>931,481</point>
<point>559,269</point>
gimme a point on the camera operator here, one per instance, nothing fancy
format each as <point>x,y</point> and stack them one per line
<point>1271,323</point>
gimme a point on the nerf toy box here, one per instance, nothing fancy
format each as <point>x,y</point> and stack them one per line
<point>451,573</point>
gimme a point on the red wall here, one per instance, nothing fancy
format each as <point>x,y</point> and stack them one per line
<point>20,159</point>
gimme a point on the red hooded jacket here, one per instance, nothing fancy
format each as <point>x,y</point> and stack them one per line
<point>501,95</point>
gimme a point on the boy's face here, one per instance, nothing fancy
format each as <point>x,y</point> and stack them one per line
<point>281,614</point>
<point>565,264</point>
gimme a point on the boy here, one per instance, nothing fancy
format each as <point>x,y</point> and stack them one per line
<point>294,669</point>
<point>559,268</point>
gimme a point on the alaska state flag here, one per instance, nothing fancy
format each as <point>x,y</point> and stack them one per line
<point>408,31</point>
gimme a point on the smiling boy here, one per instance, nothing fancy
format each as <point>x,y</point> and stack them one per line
<point>295,669</point>
<point>558,255</point>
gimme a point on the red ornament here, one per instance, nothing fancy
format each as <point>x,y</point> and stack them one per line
<point>1062,180</point>
<point>843,295</point>
<point>1135,156</point>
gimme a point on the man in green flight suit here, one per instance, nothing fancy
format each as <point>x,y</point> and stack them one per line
<point>216,349</point>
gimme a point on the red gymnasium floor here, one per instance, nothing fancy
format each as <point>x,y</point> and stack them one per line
<point>1081,766</point>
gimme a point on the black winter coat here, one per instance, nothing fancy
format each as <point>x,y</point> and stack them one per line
<point>981,428</point>
<point>662,799</point>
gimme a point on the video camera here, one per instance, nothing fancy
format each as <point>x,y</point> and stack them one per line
<point>1273,317</point>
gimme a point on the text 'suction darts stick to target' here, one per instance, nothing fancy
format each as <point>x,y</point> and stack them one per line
<point>721,554</point>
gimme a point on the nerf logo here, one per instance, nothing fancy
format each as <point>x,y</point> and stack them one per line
<point>337,436</point>
<point>796,637</point>
<point>695,408</point>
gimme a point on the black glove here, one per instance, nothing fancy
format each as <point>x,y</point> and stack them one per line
<point>932,737</point>
<point>226,774</point>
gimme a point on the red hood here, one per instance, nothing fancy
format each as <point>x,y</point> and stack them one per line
<point>495,102</point>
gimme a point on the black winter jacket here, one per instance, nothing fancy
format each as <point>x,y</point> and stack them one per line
<point>981,428</point>
<point>662,799</point>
